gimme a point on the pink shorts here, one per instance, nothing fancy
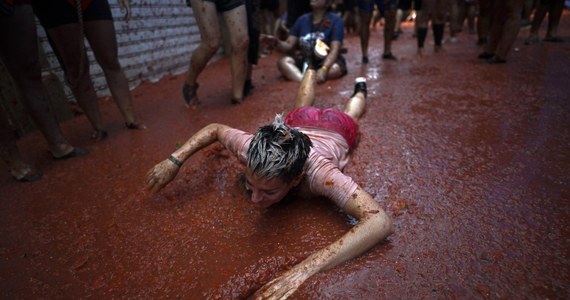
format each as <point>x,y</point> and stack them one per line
<point>329,118</point>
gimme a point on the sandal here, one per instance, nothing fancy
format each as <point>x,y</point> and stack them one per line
<point>189,93</point>
<point>76,152</point>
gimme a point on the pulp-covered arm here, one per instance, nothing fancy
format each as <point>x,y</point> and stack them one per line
<point>329,61</point>
<point>162,173</point>
<point>374,226</point>
<point>273,42</point>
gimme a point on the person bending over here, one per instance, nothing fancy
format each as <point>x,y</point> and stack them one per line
<point>309,146</point>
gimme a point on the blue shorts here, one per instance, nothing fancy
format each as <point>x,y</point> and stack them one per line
<point>383,5</point>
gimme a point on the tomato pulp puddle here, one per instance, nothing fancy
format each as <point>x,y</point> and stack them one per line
<point>470,160</point>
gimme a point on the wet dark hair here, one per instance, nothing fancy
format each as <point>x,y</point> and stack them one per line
<point>278,151</point>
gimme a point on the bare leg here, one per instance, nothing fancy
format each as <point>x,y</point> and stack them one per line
<point>10,154</point>
<point>356,105</point>
<point>512,13</point>
<point>484,20</point>
<point>364,34</point>
<point>20,55</point>
<point>207,19</point>
<point>289,70</point>
<point>67,39</point>
<point>554,15</point>
<point>306,92</point>
<point>422,19</point>
<point>103,41</point>
<point>389,26</point>
<point>236,19</point>
<point>537,19</point>
<point>335,72</point>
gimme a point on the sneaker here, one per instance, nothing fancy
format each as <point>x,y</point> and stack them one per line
<point>360,86</point>
<point>389,56</point>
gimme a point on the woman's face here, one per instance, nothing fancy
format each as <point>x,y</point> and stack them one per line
<point>266,192</point>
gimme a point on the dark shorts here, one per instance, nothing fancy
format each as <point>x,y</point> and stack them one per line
<point>226,5</point>
<point>405,4</point>
<point>271,5</point>
<point>329,118</point>
<point>60,12</point>
<point>383,5</point>
<point>340,61</point>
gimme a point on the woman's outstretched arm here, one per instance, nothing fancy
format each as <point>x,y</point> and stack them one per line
<point>162,173</point>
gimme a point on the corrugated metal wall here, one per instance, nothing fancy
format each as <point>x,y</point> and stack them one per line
<point>157,41</point>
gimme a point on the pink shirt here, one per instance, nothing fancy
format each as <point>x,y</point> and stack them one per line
<point>328,156</point>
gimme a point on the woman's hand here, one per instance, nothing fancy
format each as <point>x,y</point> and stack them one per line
<point>161,174</point>
<point>322,75</point>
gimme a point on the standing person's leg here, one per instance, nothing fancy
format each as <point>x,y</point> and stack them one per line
<point>554,15</point>
<point>471,14</point>
<point>365,9</point>
<point>484,21</point>
<point>496,30</point>
<point>537,19</point>
<point>389,27</point>
<point>103,41</point>
<point>511,28</point>
<point>454,18</point>
<point>19,52</point>
<point>422,20</point>
<point>526,13</point>
<point>10,154</point>
<point>210,34</point>
<point>237,27</point>
<point>253,31</point>
<point>69,41</point>
<point>441,10</point>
